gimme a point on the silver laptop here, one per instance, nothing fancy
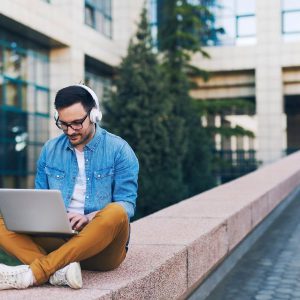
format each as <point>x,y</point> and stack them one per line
<point>31,211</point>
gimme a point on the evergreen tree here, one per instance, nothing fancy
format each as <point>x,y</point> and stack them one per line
<point>141,112</point>
<point>178,38</point>
<point>184,25</point>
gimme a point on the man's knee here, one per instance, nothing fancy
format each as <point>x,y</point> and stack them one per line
<point>113,213</point>
<point>119,211</point>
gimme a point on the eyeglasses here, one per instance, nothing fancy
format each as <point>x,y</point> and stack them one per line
<point>75,125</point>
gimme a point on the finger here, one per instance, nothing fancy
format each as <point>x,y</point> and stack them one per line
<point>81,223</point>
<point>74,216</point>
<point>74,221</point>
<point>71,216</point>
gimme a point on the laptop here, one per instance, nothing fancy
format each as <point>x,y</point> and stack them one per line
<point>37,212</point>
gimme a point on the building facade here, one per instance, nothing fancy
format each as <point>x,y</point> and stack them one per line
<point>44,46</point>
<point>258,60</point>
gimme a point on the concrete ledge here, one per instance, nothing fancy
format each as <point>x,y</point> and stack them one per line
<point>179,246</point>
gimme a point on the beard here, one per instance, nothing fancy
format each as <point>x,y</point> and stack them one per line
<point>79,138</point>
<point>76,139</point>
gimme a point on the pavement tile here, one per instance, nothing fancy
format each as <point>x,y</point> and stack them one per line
<point>271,268</point>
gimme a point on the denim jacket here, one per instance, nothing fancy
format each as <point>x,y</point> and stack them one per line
<point>111,171</point>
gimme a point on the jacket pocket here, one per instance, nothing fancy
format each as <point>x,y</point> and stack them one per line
<point>55,177</point>
<point>103,180</point>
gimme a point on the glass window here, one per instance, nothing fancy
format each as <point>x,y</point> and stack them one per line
<point>30,97</point>
<point>1,59</point>
<point>42,101</point>
<point>98,16</point>
<point>41,71</point>
<point>100,83</point>
<point>1,91</point>
<point>11,98</point>
<point>41,129</point>
<point>245,7</point>
<point>11,66</point>
<point>100,22</point>
<point>237,18</point>
<point>291,22</point>
<point>246,26</point>
<point>291,19</point>
<point>31,128</point>
<point>153,19</point>
<point>24,102</point>
<point>107,7</point>
<point>89,16</point>
<point>24,96</point>
<point>15,64</point>
<point>15,143</point>
<point>290,4</point>
<point>229,27</point>
<point>31,65</point>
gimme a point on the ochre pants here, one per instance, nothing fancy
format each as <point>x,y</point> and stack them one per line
<point>100,245</point>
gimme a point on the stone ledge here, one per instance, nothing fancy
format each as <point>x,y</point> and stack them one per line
<point>179,246</point>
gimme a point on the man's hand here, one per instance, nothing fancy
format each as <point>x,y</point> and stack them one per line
<point>78,221</point>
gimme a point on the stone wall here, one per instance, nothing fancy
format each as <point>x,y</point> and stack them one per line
<point>174,250</point>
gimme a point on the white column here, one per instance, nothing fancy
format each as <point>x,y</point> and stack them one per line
<point>269,91</point>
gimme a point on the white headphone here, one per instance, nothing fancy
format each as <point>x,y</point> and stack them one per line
<point>95,113</point>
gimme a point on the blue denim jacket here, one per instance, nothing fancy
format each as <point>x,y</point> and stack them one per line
<point>111,171</point>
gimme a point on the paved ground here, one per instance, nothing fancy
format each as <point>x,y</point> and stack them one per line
<point>271,268</point>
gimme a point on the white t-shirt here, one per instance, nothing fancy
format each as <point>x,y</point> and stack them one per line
<point>78,197</point>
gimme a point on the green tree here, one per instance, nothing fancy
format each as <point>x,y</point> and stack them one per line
<point>179,38</point>
<point>228,165</point>
<point>141,112</point>
<point>184,26</point>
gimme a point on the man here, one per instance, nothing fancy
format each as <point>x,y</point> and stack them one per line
<point>96,173</point>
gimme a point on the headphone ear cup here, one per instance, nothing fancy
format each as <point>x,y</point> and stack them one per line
<point>95,115</point>
<point>99,115</point>
<point>55,115</point>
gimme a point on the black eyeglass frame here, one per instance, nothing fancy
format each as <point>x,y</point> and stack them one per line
<point>64,126</point>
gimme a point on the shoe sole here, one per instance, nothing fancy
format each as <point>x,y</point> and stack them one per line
<point>73,276</point>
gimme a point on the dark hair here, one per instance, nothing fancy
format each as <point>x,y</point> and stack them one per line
<point>74,94</point>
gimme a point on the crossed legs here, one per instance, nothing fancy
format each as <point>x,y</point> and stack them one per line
<point>99,246</point>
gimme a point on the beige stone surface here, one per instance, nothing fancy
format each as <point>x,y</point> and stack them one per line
<point>175,249</point>
<point>148,272</point>
<point>260,208</point>
<point>238,226</point>
<point>205,253</point>
<point>172,231</point>
<point>48,292</point>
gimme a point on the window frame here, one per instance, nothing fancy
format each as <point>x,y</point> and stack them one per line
<point>107,16</point>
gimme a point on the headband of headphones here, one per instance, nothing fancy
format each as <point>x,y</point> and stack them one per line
<point>91,92</point>
<point>95,113</point>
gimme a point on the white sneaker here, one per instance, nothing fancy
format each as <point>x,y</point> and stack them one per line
<point>18,277</point>
<point>69,275</point>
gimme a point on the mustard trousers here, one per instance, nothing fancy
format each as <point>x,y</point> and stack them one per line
<point>100,245</point>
